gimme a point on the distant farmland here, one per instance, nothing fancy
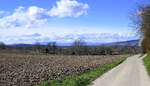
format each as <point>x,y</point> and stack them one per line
<point>29,70</point>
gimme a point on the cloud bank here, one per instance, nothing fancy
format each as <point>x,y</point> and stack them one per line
<point>30,36</point>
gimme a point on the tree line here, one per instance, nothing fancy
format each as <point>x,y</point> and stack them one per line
<point>78,47</point>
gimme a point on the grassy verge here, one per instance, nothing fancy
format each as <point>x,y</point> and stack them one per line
<point>147,63</point>
<point>83,79</point>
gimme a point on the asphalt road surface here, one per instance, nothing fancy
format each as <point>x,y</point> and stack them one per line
<point>131,72</point>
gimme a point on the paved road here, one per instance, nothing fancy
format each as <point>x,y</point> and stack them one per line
<point>130,73</point>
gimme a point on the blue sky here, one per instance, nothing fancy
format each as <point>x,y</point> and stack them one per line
<point>96,21</point>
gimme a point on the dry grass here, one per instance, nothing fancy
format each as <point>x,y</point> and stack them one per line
<point>29,70</point>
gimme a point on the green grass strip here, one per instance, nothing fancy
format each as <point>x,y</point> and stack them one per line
<point>147,63</point>
<point>83,79</point>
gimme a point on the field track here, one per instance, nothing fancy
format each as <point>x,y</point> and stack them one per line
<point>130,73</point>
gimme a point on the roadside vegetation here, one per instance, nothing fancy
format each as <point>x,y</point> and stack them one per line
<point>147,63</point>
<point>83,79</point>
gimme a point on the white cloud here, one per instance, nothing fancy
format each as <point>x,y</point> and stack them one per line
<point>23,17</point>
<point>2,12</point>
<point>67,38</point>
<point>34,16</point>
<point>36,13</point>
<point>11,36</point>
<point>69,8</point>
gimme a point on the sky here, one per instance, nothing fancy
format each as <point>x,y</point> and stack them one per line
<point>63,21</point>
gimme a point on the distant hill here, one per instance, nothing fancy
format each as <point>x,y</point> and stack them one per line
<point>124,43</point>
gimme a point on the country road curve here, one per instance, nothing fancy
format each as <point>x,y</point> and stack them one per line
<point>131,72</point>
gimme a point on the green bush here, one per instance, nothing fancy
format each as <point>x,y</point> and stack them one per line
<point>147,63</point>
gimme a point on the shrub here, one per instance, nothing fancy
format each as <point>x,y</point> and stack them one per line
<point>2,45</point>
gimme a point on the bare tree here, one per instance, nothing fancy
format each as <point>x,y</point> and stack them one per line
<point>51,48</point>
<point>38,47</point>
<point>145,28</point>
<point>79,47</point>
<point>142,24</point>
